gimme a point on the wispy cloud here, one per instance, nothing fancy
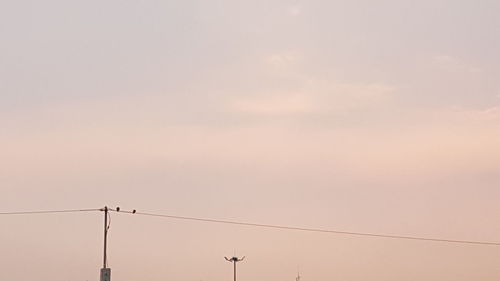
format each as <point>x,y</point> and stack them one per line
<point>487,114</point>
<point>316,96</point>
<point>275,105</point>
<point>283,63</point>
<point>310,93</point>
<point>451,63</point>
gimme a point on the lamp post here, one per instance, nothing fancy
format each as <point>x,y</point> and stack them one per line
<point>234,260</point>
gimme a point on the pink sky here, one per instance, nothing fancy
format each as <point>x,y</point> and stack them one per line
<point>351,115</point>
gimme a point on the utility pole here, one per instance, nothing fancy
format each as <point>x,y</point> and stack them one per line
<point>234,260</point>
<point>105,271</point>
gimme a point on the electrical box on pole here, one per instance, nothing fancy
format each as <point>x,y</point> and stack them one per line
<point>105,274</point>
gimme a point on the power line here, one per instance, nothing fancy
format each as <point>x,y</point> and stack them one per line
<point>49,212</point>
<point>283,227</point>
<point>273,226</point>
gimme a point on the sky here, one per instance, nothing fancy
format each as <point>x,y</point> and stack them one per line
<point>366,116</point>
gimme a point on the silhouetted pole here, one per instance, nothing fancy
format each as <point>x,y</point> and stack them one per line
<point>104,265</point>
<point>234,260</point>
<point>105,271</point>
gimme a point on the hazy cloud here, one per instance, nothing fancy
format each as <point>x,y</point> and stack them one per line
<point>316,96</point>
<point>450,63</point>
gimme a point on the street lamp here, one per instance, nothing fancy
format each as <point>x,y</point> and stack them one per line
<point>234,260</point>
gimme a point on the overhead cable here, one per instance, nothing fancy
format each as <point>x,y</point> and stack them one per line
<point>48,212</point>
<point>320,230</point>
